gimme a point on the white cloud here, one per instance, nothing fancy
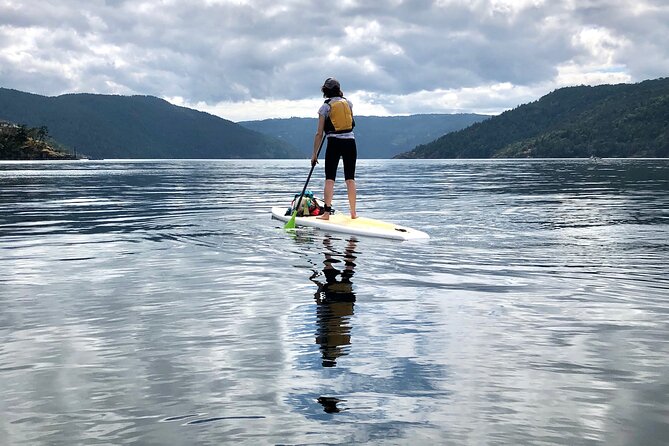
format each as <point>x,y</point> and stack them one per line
<point>255,108</point>
<point>260,59</point>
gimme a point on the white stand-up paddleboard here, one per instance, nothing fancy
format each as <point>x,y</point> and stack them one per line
<point>339,222</point>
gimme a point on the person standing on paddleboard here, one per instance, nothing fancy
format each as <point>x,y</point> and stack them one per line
<point>335,119</point>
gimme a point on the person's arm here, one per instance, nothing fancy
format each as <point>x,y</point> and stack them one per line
<point>317,139</point>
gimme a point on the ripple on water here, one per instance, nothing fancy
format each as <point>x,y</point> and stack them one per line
<point>157,303</point>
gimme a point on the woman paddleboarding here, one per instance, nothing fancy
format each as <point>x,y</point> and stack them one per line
<point>335,119</point>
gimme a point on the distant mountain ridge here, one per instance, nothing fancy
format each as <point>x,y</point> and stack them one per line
<point>624,120</point>
<point>376,136</point>
<point>106,126</point>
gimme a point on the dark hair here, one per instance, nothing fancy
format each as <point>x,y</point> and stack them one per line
<point>331,92</point>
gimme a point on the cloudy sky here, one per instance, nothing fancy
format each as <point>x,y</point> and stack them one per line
<point>256,59</point>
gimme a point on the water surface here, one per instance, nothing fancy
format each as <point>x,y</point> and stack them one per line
<point>155,302</point>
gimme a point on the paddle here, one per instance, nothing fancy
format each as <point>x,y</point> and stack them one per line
<point>290,224</point>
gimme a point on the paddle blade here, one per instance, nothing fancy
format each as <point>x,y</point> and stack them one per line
<point>290,224</point>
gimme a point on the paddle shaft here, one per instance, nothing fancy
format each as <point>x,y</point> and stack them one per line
<point>304,189</point>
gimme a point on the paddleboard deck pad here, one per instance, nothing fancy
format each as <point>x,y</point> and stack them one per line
<point>339,222</point>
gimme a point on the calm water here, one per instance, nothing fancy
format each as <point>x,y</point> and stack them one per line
<point>157,303</point>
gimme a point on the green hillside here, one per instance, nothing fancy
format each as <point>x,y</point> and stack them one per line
<point>625,120</point>
<point>376,137</point>
<point>104,126</point>
<point>18,142</point>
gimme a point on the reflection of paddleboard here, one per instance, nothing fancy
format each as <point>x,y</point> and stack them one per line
<point>359,226</point>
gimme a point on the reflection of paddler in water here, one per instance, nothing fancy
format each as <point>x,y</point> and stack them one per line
<point>330,404</point>
<point>334,300</point>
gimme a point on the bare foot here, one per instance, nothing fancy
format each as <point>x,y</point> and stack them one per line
<point>354,215</point>
<point>325,216</point>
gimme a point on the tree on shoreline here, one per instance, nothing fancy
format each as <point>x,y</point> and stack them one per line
<point>20,142</point>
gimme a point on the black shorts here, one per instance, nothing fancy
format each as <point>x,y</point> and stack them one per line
<point>344,149</point>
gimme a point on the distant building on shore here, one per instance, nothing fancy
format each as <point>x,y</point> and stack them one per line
<point>7,125</point>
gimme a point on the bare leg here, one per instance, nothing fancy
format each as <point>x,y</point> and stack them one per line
<point>350,188</point>
<point>328,193</point>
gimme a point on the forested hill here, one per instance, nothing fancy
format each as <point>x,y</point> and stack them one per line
<point>625,120</point>
<point>23,143</point>
<point>376,137</point>
<point>104,126</point>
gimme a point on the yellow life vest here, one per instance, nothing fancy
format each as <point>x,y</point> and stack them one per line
<point>340,119</point>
